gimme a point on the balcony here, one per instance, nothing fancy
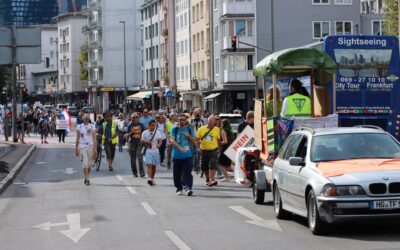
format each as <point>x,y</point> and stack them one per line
<point>227,43</point>
<point>238,8</point>
<point>165,32</point>
<point>238,76</point>
<point>95,25</point>
<point>85,65</point>
<point>95,5</point>
<point>204,85</point>
<point>85,10</point>
<point>84,47</point>
<point>85,28</point>
<point>95,45</point>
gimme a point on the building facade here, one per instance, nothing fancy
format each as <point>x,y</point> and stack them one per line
<point>372,17</point>
<point>41,79</point>
<point>200,49</point>
<point>27,12</point>
<point>107,22</point>
<point>68,6</point>
<point>70,40</point>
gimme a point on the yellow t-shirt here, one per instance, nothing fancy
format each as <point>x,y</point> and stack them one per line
<point>210,142</point>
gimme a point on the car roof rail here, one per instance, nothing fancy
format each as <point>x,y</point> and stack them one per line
<point>369,126</point>
<point>312,131</point>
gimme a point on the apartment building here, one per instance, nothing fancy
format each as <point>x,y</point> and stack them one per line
<point>41,79</point>
<point>107,22</point>
<point>372,17</point>
<point>200,49</point>
<point>182,52</point>
<point>70,39</point>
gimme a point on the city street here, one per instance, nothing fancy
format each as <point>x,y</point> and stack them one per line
<point>49,207</point>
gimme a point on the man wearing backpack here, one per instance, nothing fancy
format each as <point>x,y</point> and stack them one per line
<point>44,128</point>
<point>110,134</point>
<point>182,140</point>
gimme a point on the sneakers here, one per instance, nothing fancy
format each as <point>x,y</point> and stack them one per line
<point>189,193</point>
<point>212,183</point>
<point>86,182</point>
<point>179,193</point>
<point>226,180</point>
<point>151,182</point>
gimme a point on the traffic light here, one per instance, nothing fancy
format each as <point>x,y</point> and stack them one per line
<point>234,43</point>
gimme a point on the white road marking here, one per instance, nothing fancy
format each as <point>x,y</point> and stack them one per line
<point>67,171</point>
<point>148,209</point>
<point>3,204</point>
<point>119,177</point>
<point>176,240</point>
<point>256,220</point>
<point>41,162</point>
<point>245,212</point>
<point>131,190</point>
<point>75,232</point>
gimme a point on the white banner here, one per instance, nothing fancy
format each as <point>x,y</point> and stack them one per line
<point>245,139</point>
<point>62,124</point>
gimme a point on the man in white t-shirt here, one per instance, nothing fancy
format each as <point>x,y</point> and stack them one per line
<point>86,145</point>
<point>152,140</point>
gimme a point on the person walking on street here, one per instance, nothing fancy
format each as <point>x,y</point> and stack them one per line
<point>134,134</point>
<point>122,126</point>
<point>208,138</point>
<point>151,140</point>
<point>109,139</point>
<point>86,145</point>
<point>60,131</point>
<point>146,118</point>
<point>248,122</point>
<point>182,140</point>
<point>162,129</point>
<point>226,140</point>
<point>44,128</point>
<point>171,123</point>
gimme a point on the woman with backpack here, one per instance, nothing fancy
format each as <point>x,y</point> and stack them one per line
<point>227,139</point>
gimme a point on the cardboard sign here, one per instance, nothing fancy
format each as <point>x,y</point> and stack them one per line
<point>62,124</point>
<point>245,139</point>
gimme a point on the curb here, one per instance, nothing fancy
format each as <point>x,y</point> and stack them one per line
<point>15,170</point>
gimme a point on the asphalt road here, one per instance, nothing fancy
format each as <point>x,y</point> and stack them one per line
<point>49,207</point>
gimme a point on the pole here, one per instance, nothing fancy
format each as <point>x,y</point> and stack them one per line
<point>125,87</point>
<point>14,84</point>
<point>211,44</point>
<point>153,105</point>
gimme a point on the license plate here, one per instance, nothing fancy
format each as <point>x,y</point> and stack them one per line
<point>394,204</point>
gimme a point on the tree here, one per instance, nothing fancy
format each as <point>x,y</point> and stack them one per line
<point>391,17</point>
<point>83,59</point>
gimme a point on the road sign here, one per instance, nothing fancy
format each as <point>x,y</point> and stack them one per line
<point>75,232</point>
<point>169,94</point>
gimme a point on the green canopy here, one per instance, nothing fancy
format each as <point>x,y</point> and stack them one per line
<point>296,62</point>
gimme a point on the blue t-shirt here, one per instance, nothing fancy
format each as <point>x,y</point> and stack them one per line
<point>145,121</point>
<point>183,142</point>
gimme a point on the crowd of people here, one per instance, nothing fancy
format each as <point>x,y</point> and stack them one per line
<point>186,141</point>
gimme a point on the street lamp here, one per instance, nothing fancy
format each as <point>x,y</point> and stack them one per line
<point>125,88</point>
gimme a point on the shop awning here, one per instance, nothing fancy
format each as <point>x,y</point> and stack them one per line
<point>212,96</point>
<point>140,95</point>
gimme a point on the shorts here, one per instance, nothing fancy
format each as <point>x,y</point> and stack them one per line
<point>110,150</point>
<point>152,158</point>
<point>87,157</point>
<point>209,160</point>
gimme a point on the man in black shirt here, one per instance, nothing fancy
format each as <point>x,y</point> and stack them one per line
<point>249,121</point>
<point>134,135</point>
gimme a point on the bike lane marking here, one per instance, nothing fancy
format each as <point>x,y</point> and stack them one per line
<point>148,209</point>
<point>176,240</point>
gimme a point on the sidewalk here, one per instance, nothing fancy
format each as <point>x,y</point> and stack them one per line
<point>15,155</point>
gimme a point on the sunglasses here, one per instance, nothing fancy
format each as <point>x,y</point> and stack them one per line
<point>135,117</point>
<point>182,119</point>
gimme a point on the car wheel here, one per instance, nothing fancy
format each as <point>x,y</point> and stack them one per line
<point>316,225</point>
<point>280,213</point>
<point>258,194</point>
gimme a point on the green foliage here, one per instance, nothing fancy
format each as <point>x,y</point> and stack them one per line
<point>83,59</point>
<point>391,17</point>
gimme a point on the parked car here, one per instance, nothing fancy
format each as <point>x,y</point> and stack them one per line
<point>337,174</point>
<point>73,111</point>
<point>234,119</point>
<point>61,107</point>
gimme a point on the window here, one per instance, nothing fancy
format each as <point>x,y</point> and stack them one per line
<point>344,28</point>
<point>249,27</point>
<point>186,46</point>
<point>194,14</point>
<point>201,10</point>
<point>377,27</point>
<point>202,39</point>
<point>250,62</point>
<point>231,27</point>
<point>216,66</point>
<point>51,40</point>
<point>156,29</point>
<point>321,29</point>
<point>322,2</point>
<point>157,52</point>
<point>216,35</point>
<point>343,2</point>
<point>293,146</point>
<point>240,27</point>
<point>194,42</point>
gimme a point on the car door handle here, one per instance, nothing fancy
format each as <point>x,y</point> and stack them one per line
<point>290,171</point>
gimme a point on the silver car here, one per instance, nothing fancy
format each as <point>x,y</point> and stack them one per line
<point>338,174</point>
